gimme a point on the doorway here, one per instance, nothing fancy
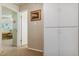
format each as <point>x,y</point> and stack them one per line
<point>8,27</point>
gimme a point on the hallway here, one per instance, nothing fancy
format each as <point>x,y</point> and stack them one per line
<point>15,38</point>
<point>19,52</point>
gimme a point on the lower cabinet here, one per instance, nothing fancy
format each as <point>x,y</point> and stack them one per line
<point>61,41</point>
<point>68,41</point>
<point>51,42</point>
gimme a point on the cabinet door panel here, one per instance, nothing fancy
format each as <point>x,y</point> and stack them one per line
<point>69,41</point>
<point>50,15</point>
<point>69,14</point>
<point>51,42</point>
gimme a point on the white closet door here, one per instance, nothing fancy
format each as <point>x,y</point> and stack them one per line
<point>50,15</point>
<point>69,42</point>
<point>69,14</point>
<point>51,42</point>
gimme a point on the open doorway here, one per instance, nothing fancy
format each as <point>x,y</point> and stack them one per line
<point>8,27</point>
<point>7,30</point>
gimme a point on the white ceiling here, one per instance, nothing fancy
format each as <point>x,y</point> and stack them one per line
<point>20,4</point>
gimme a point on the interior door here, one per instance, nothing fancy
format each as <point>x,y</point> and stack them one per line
<point>24,28</point>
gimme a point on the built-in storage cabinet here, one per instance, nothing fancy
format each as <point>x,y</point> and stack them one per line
<point>68,14</point>
<point>51,15</point>
<point>61,29</point>
<point>60,15</point>
<point>61,41</point>
<point>51,41</point>
<point>68,41</point>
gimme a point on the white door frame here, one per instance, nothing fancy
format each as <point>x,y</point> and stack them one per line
<point>25,12</point>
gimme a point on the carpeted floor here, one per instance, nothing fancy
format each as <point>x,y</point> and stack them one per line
<point>19,52</point>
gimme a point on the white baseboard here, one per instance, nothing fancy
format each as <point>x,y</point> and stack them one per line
<point>35,49</point>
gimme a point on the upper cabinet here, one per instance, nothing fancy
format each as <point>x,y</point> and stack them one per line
<point>68,14</point>
<point>61,14</point>
<point>51,15</point>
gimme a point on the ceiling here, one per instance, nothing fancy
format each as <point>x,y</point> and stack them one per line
<point>20,4</point>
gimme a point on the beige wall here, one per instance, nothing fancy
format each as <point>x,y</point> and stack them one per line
<point>35,28</point>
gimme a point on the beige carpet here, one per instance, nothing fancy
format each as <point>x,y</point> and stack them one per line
<point>19,52</point>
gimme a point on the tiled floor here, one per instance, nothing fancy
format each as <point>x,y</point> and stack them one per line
<point>19,52</point>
